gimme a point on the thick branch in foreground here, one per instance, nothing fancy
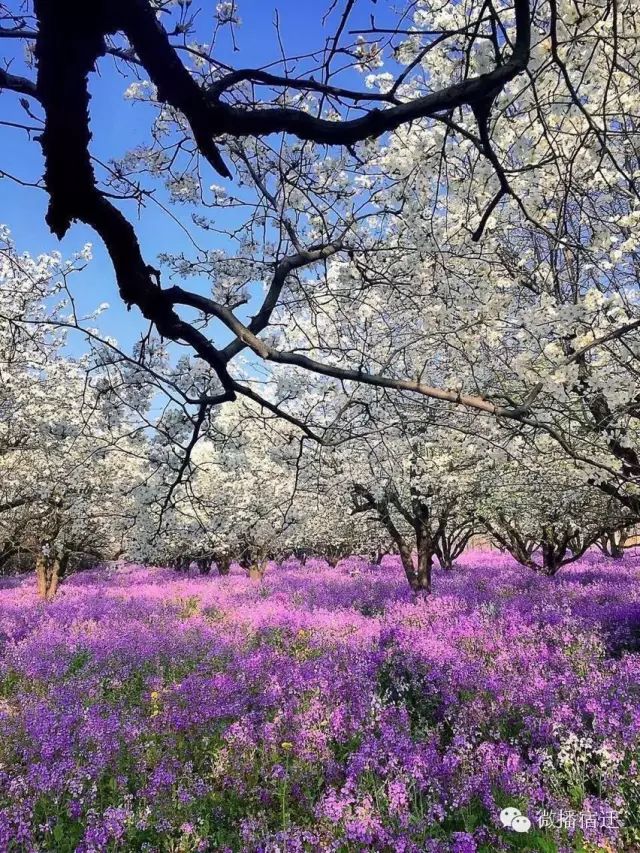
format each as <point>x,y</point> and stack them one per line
<point>210,117</point>
<point>67,48</point>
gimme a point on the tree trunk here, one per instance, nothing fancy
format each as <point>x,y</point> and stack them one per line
<point>63,566</point>
<point>6,554</point>
<point>224,564</point>
<point>256,572</point>
<point>425,566</point>
<point>419,578</point>
<point>511,540</point>
<point>452,545</point>
<point>407,564</point>
<point>336,553</point>
<point>552,558</point>
<point>612,543</point>
<point>444,556</point>
<point>617,548</point>
<point>48,573</point>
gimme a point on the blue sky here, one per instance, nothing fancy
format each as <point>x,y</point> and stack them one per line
<point>118,125</point>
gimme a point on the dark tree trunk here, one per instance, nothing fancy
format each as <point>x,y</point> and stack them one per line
<point>223,563</point>
<point>511,540</point>
<point>612,543</point>
<point>204,565</point>
<point>451,545</point>
<point>419,578</point>
<point>617,551</point>
<point>334,554</point>
<point>552,557</point>
<point>425,566</point>
<point>419,517</point>
<point>407,564</point>
<point>446,560</point>
<point>6,554</point>
<point>252,564</point>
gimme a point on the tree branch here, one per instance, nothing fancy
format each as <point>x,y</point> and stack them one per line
<point>21,85</point>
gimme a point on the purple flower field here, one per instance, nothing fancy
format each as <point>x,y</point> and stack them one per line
<point>323,709</point>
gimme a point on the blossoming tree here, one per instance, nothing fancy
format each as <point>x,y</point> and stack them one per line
<point>70,455</point>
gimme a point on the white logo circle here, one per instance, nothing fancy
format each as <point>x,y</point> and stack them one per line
<point>508,815</point>
<point>521,823</point>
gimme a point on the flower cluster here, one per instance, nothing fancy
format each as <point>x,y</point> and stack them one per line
<point>321,709</point>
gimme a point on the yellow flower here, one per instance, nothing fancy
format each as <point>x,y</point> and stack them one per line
<point>155,703</point>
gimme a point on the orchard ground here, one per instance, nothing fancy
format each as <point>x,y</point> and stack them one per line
<point>323,709</point>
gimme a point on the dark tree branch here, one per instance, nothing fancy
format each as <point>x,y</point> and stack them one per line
<point>208,117</point>
<point>67,47</point>
<point>174,83</point>
<point>177,295</point>
<point>254,75</point>
<point>21,85</point>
